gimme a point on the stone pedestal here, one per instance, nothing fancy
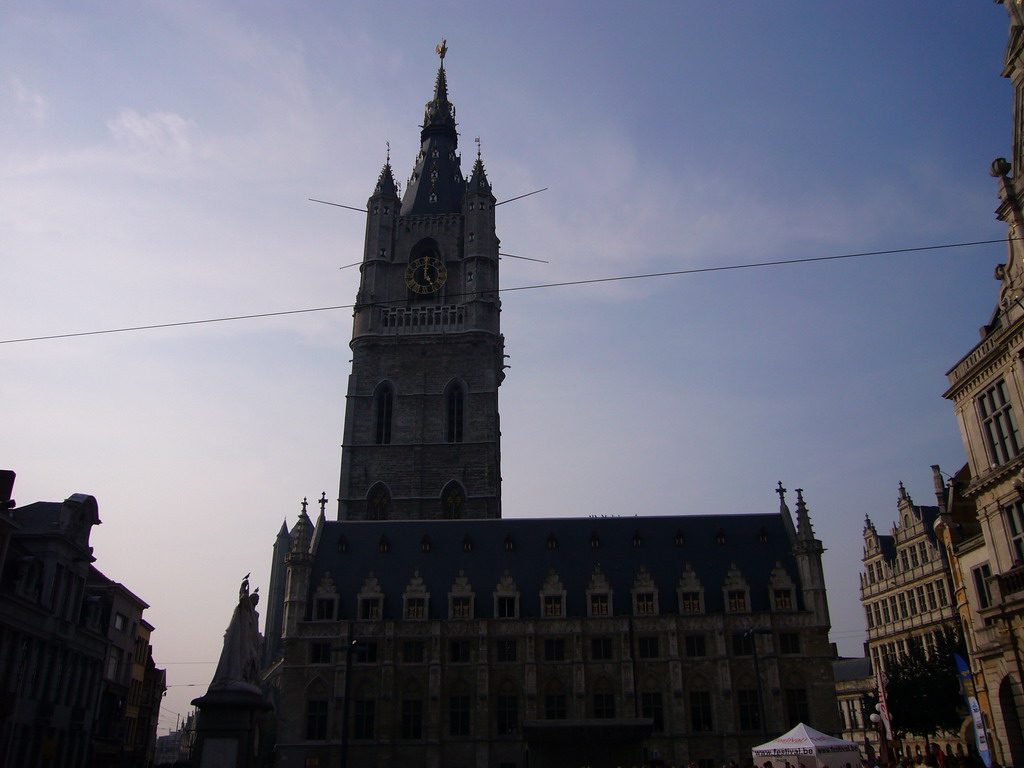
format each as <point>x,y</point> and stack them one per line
<point>228,733</point>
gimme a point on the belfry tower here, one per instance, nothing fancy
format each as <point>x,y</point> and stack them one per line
<point>421,436</point>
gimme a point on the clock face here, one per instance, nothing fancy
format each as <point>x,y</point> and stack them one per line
<point>425,275</point>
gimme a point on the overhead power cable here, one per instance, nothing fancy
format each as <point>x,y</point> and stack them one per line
<point>566,283</point>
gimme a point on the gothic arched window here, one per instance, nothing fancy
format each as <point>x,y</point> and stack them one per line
<point>454,402</point>
<point>453,501</point>
<point>383,406</point>
<point>377,502</point>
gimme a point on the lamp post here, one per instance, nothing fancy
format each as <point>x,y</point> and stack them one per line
<point>349,648</point>
<point>883,742</point>
<point>757,677</point>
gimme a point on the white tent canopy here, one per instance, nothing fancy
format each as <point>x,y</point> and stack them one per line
<point>813,748</point>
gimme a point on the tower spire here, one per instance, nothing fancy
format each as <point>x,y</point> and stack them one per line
<point>787,516</point>
<point>436,185</point>
<point>803,519</point>
<point>386,181</point>
<point>440,113</point>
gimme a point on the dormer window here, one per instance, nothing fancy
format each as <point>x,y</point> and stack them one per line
<point>425,543</point>
<point>645,605</point>
<point>342,544</point>
<point>324,609</point>
<point>369,608</point>
<point>720,537</point>
<point>737,600</point>
<point>595,541</point>
<point>637,541</point>
<point>506,606</point>
<point>416,608</point>
<point>510,544</point>
<point>552,541</point>
<point>462,607</point>
<point>467,543</point>
<point>679,539</point>
<point>383,546</point>
<point>689,602</point>
<point>552,606</point>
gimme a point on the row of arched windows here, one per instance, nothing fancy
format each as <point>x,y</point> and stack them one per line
<point>452,501</point>
<point>384,412</point>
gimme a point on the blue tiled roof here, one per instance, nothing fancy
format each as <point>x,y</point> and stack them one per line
<point>754,542</point>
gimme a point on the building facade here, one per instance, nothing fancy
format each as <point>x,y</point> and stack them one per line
<point>422,628</point>
<point>586,641</point>
<point>131,686</point>
<point>855,690</point>
<point>905,588</point>
<point>984,528</point>
<point>907,594</point>
<point>61,699</point>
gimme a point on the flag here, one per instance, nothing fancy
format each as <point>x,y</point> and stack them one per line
<point>980,737</point>
<point>883,702</point>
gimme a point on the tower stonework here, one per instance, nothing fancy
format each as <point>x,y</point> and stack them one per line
<point>421,436</point>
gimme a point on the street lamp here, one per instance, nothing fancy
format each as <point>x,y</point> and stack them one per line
<point>351,647</point>
<point>757,677</point>
<point>876,720</point>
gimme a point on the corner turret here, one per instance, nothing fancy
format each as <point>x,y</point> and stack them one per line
<point>299,562</point>
<point>275,596</point>
<point>787,516</point>
<point>808,552</point>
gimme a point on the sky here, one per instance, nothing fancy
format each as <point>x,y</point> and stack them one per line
<point>156,165</point>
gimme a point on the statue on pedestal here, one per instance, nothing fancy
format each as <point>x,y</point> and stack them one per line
<point>238,668</point>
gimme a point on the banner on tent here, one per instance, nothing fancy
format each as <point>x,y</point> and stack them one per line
<point>784,751</point>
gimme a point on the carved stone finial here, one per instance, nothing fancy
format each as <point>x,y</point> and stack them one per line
<point>323,501</point>
<point>304,504</point>
<point>999,168</point>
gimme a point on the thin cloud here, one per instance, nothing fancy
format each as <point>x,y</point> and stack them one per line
<point>159,133</point>
<point>28,104</point>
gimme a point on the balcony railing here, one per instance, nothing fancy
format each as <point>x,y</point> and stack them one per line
<point>433,319</point>
<point>1011,583</point>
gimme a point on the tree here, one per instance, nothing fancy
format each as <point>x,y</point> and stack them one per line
<point>923,690</point>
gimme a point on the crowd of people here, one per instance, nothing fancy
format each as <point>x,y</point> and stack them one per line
<point>933,758</point>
